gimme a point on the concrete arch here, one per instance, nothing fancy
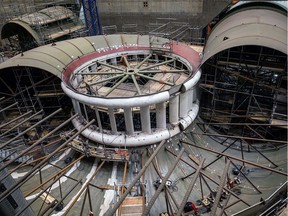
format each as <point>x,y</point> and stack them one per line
<point>249,26</point>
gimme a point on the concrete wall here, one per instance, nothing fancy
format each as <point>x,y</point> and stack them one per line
<point>145,13</point>
<point>191,7</point>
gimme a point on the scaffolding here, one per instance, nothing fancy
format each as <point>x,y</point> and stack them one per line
<point>244,93</point>
<point>44,24</point>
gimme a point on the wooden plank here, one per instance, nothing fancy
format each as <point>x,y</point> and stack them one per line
<point>133,201</point>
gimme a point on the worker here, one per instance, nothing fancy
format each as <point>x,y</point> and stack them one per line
<point>230,183</point>
<point>237,180</point>
<point>190,206</point>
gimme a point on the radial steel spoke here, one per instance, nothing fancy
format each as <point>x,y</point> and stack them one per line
<point>144,60</point>
<point>156,65</point>
<point>101,73</point>
<point>162,71</point>
<point>136,84</point>
<point>156,80</point>
<point>117,84</point>
<point>126,61</point>
<point>111,66</point>
<point>103,80</point>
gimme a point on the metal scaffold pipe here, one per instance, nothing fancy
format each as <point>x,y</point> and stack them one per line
<point>238,159</point>
<point>36,167</point>
<point>38,142</point>
<point>8,107</point>
<point>59,175</point>
<point>142,171</point>
<point>190,188</point>
<point>84,188</point>
<point>220,188</point>
<point>15,119</point>
<point>20,123</point>
<point>161,186</point>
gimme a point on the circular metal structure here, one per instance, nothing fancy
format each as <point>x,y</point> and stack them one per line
<point>138,91</point>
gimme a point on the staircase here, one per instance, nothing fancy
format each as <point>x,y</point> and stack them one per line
<point>132,206</point>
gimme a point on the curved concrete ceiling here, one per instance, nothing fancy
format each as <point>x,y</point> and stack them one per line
<point>45,16</point>
<point>12,26</point>
<point>55,57</point>
<point>252,26</point>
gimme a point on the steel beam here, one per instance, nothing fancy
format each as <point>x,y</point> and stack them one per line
<point>210,178</point>
<point>156,80</point>
<point>136,84</point>
<point>161,186</point>
<point>112,210</point>
<point>59,174</point>
<point>117,84</point>
<point>238,159</point>
<point>190,188</point>
<point>220,188</point>
<point>15,119</point>
<point>83,188</point>
<point>38,142</point>
<point>25,178</point>
<point>20,123</point>
<point>111,66</point>
<point>63,170</point>
<point>103,80</point>
<point>144,60</point>
<point>162,71</point>
<point>52,208</point>
<point>12,105</point>
<point>240,137</point>
<point>156,65</point>
<point>160,175</point>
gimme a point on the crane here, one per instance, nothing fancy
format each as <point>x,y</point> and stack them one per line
<point>91,15</point>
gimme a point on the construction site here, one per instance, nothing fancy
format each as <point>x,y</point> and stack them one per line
<point>130,107</point>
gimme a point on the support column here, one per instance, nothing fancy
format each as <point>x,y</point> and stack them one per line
<point>85,111</point>
<point>174,110</point>
<point>112,121</point>
<point>76,107</point>
<point>114,61</point>
<point>98,120</point>
<point>129,121</point>
<point>184,103</point>
<point>145,119</point>
<point>195,93</point>
<point>190,98</point>
<point>161,115</point>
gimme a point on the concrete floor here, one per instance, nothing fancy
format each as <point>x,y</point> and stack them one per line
<point>112,172</point>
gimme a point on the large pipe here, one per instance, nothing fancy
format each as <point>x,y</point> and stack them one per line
<point>121,140</point>
<point>117,102</point>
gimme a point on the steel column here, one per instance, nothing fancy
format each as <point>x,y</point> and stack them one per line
<point>174,110</point>
<point>161,115</point>
<point>129,121</point>
<point>145,119</point>
<point>112,121</point>
<point>184,104</point>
